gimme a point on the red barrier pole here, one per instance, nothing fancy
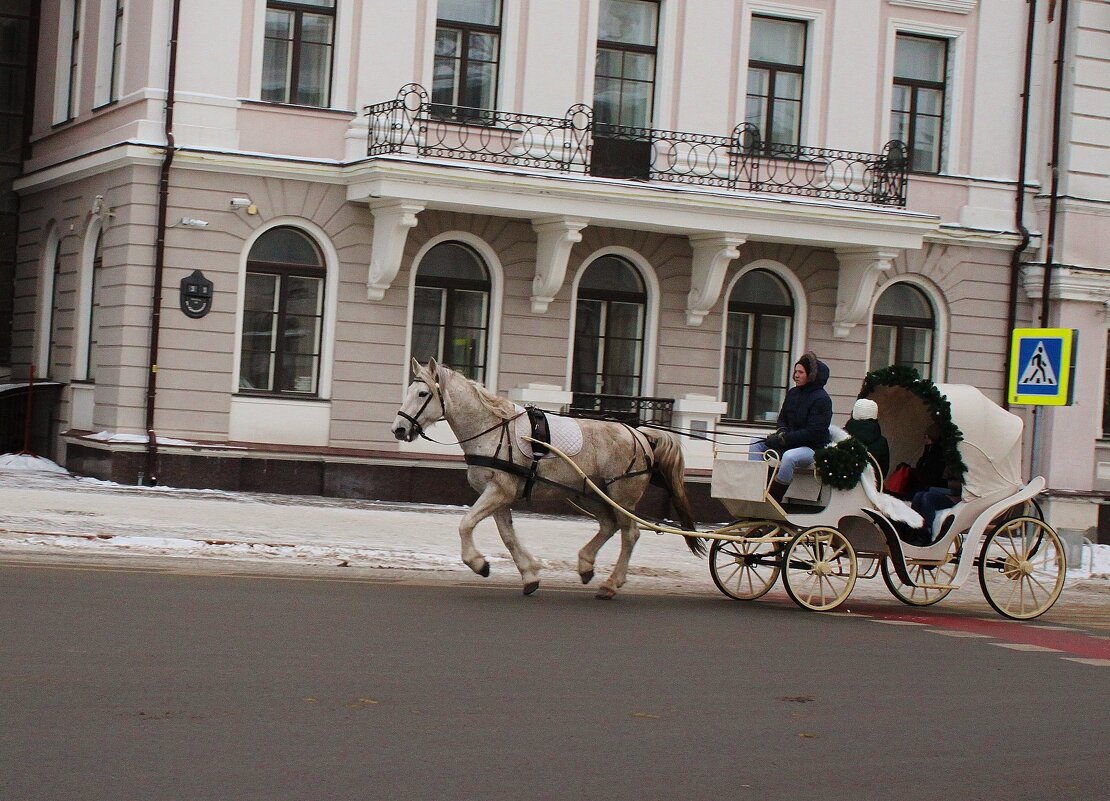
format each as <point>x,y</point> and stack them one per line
<point>27,418</point>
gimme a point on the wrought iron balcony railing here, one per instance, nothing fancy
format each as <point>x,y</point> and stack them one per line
<point>626,408</point>
<point>740,162</point>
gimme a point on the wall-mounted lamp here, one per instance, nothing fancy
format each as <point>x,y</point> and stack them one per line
<point>244,203</point>
<point>192,222</point>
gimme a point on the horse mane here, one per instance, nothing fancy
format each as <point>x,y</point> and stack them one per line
<point>495,404</point>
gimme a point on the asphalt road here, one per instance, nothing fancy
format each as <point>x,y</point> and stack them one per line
<point>158,684</point>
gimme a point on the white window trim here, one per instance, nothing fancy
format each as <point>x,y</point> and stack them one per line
<point>441,431</point>
<point>801,313</point>
<point>651,313</point>
<point>813,88</point>
<point>665,71</point>
<point>941,316</point>
<point>496,290</point>
<point>50,250</point>
<point>341,54</point>
<point>331,304</point>
<point>84,303</point>
<point>953,89</point>
<point>105,46</point>
<point>61,61</point>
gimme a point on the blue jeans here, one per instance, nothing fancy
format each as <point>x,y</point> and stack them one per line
<point>930,501</point>
<point>788,461</point>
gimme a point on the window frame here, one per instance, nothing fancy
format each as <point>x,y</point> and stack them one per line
<point>773,68</point>
<point>95,318</point>
<point>607,297</point>
<point>915,85</point>
<point>754,353</point>
<point>456,110</point>
<point>292,88</point>
<point>451,286</point>
<point>625,48</point>
<point>902,322</point>
<point>116,75</point>
<point>284,271</point>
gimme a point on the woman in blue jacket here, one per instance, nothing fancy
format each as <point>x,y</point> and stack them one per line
<point>803,422</point>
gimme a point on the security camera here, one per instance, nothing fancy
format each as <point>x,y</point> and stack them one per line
<point>240,202</point>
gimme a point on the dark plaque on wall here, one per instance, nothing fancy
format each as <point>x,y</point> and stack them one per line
<point>196,295</point>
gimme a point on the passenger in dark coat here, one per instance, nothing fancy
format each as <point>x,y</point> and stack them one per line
<point>803,422</point>
<point>864,426</point>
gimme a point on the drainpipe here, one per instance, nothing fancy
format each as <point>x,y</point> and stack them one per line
<point>1019,205</point>
<point>149,475</point>
<point>1054,161</point>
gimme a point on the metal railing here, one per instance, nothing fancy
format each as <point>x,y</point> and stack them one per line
<point>741,162</point>
<point>626,408</point>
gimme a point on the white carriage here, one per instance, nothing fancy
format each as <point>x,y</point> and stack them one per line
<point>830,537</point>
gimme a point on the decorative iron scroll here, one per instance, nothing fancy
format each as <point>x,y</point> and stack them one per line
<point>626,408</point>
<point>743,162</point>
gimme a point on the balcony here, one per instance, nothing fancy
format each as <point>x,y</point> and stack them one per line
<point>575,144</point>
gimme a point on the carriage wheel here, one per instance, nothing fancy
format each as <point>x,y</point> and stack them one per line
<point>924,571</point>
<point>819,568</point>
<point>1022,567</point>
<point>745,570</point>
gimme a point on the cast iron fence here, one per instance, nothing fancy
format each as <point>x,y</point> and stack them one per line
<point>626,408</point>
<point>412,124</point>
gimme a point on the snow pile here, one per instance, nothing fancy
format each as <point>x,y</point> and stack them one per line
<point>138,439</point>
<point>30,463</point>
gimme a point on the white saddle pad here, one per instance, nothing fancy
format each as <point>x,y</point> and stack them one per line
<point>566,435</point>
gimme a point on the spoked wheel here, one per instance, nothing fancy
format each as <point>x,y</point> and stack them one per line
<point>819,568</point>
<point>1022,567</point>
<point>745,570</point>
<point>924,571</point>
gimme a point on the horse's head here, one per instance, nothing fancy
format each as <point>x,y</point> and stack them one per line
<point>422,404</point>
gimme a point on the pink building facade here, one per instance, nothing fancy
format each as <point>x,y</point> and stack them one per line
<point>627,205</point>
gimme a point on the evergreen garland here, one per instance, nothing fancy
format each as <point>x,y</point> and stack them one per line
<point>939,408</point>
<point>841,464</point>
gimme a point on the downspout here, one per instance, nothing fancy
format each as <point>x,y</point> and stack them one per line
<point>1019,205</point>
<point>149,475</point>
<point>1054,162</point>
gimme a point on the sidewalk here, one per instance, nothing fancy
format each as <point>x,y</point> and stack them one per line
<point>46,512</point>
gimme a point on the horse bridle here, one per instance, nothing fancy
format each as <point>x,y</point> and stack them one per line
<point>414,419</point>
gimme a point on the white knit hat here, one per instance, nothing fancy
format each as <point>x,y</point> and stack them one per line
<point>865,409</point>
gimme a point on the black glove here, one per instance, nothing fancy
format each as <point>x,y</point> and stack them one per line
<point>776,442</point>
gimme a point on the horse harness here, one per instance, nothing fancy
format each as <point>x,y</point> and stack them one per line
<point>541,437</point>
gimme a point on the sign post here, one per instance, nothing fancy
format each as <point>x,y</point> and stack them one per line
<point>1041,366</point>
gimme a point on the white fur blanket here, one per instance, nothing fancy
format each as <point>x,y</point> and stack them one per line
<point>891,507</point>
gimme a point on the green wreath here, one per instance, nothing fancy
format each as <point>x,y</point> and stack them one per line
<point>841,464</point>
<point>939,408</point>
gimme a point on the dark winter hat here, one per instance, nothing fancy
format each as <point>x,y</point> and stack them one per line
<point>809,364</point>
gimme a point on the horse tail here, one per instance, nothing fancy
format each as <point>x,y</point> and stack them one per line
<point>671,468</point>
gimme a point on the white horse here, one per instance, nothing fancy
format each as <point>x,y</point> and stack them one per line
<point>616,457</point>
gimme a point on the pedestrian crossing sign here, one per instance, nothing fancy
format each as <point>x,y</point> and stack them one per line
<point>1041,366</point>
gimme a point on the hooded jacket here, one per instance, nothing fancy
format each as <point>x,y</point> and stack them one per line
<point>806,412</point>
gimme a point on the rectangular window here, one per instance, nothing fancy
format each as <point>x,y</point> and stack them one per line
<point>117,52</point>
<point>467,52</point>
<point>918,99</point>
<point>1106,393</point>
<point>74,62</point>
<point>282,326</point>
<point>776,82</point>
<point>14,32</point>
<point>624,81</point>
<point>297,55</point>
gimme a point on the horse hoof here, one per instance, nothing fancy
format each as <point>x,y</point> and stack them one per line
<point>587,577</point>
<point>482,571</point>
<point>531,587</point>
<point>605,594</point>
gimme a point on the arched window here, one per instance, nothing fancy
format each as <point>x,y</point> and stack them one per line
<point>283,315</point>
<point>609,329</point>
<point>450,316</point>
<point>902,329</point>
<point>758,340</point>
<point>93,352</point>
